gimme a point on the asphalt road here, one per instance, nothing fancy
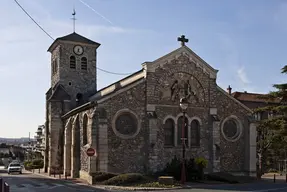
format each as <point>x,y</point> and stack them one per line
<point>28,182</point>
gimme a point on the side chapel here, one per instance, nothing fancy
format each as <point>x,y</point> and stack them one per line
<point>135,124</point>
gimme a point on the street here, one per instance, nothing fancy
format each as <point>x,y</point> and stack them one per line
<point>29,182</point>
<point>35,183</point>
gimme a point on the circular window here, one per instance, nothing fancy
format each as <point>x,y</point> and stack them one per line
<point>125,124</point>
<point>231,129</point>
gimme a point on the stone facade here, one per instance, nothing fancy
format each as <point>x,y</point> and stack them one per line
<point>135,124</point>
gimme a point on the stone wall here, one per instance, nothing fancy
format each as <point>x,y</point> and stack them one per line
<point>159,83</point>
<point>161,155</point>
<point>127,154</point>
<point>74,80</point>
<point>231,152</point>
<point>207,96</point>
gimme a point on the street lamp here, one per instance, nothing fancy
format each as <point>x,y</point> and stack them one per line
<point>183,103</point>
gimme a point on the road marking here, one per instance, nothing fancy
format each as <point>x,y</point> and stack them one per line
<point>267,190</point>
<point>55,186</point>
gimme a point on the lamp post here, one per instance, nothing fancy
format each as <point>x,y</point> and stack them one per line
<point>183,105</point>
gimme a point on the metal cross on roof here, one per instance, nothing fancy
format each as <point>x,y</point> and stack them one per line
<point>182,39</point>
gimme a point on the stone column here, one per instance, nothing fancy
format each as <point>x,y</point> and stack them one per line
<point>216,146</point>
<point>152,124</point>
<point>46,156</point>
<point>55,126</point>
<point>75,149</point>
<point>67,148</point>
<point>93,128</point>
<point>103,148</point>
<point>252,149</point>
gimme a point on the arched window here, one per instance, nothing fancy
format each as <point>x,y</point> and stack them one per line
<point>195,133</point>
<point>85,134</point>
<point>179,130</point>
<point>84,63</point>
<point>169,132</point>
<point>73,62</point>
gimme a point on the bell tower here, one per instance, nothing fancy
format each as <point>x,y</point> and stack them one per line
<point>73,80</point>
<point>74,65</point>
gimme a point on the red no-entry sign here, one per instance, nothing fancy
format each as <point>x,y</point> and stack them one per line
<point>91,152</point>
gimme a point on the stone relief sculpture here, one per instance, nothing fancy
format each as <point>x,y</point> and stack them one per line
<point>174,91</point>
<point>182,85</point>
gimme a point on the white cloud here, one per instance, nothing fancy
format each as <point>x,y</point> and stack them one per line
<point>242,75</point>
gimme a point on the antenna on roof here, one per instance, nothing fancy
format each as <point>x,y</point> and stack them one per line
<point>74,19</point>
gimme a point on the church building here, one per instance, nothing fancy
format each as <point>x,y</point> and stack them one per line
<point>135,124</point>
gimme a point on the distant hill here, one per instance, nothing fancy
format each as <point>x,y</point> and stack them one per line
<point>15,140</point>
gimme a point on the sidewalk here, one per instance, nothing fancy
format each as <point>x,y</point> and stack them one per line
<point>58,177</point>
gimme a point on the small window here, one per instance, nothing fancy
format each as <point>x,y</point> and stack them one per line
<point>257,116</point>
<point>84,63</point>
<point>73,62</point>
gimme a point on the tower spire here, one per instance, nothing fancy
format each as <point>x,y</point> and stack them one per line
<point>74,19</point>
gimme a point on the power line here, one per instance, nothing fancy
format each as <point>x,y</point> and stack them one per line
<point>103,17</point>
<point>33,20</point>
<point>110,72</point>
<point>114,72</point>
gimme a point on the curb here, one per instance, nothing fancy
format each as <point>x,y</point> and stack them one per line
<point>115,187</point>
<point>39,174</point>
<point>136,188</point>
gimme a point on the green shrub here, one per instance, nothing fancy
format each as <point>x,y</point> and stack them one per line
<point>174,168</point>
<point>38,164</point>
<point>35,164</point>
<point>124,179</point>
<point>27,165</point>
<point>103,176</point>
<point>202,162</point>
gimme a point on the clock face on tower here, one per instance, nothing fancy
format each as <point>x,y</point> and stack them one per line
<point>78,50</point>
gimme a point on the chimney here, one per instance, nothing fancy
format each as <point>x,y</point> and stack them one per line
<point>229,89</point>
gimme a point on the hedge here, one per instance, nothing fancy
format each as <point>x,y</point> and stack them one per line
<point>35,164</point>
<point>124,179</point>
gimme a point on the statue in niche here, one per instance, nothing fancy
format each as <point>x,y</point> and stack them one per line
<point>174,91</point>
<point>182,85</point>
<point>189,90</point>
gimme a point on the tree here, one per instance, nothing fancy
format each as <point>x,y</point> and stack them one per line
<point>272,132</point>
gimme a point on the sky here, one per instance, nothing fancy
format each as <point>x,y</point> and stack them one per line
<point>245,40</point>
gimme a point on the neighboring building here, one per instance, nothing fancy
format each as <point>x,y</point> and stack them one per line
<point>40,139</point>
<point>5,150</point>
<point>135,124</point>
<point>254,101</point>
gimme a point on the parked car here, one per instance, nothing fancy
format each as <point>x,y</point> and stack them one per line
<point>14,167</point>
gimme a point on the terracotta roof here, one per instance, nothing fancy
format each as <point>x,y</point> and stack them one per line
<point>253,97</point>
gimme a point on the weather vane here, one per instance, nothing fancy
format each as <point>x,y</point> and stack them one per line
<point>74,19</point>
